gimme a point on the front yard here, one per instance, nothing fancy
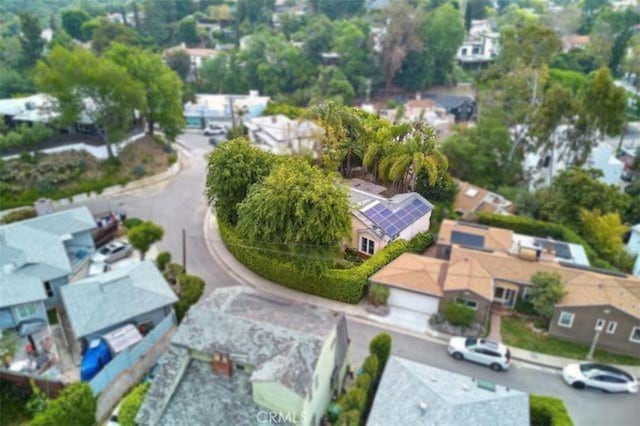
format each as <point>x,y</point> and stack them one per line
<point>516,332</point>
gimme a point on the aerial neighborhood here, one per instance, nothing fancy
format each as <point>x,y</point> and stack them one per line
<point>320,212</point>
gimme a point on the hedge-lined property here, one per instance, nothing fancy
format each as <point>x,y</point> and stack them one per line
<point>344,285</point>
<point>548,411</point>
<point>131,404</point>
<point>539,228</point>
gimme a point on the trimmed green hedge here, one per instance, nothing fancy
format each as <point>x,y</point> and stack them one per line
<point>548,411</point>
<point>131,405</point>
<point>457,314</point>
<point>420,242</point>
<point>18,215</point>
<point>539,228</point>
<point>344,285</point>
<point>191,289</point>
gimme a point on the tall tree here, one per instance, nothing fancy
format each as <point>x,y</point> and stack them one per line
<point>332,85</point>
<point>335,9</point>
<point>604,231</point>
<point>72,20</point>
<point>30,39</point>
<point>607,115</point>
<point>162,88</point>
<point>179,61</point>
<point>107,32</point>
<point>144,235</point>
<point>547,290</point>
<point>84,83</point>
<point>188,31</point>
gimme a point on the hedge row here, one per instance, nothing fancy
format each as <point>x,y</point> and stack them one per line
<point>459,315</point>
<point>344,285</point>
<point>131,405</point>
<point>539,228</point>
<point>191,289</point>
<point>548,411</point>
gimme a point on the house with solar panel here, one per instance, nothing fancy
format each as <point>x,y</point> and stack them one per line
<point>377,220</point>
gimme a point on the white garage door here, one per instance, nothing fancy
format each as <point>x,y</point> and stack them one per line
<point>413,301</point>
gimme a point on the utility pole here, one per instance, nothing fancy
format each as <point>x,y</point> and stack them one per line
<point>184,250</point>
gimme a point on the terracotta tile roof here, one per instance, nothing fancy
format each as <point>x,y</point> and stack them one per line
<point>494,238</point>
<point>466,273</point>
<point>413,272</point>
<point>473,198</point>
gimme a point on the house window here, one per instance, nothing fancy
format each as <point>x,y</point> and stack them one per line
<point>48,289</point>
<point>611,328</point>
<point>526,293</point>
<point>367,246</point>
<point>635,335</point>
<point>467,302</point>
<point>566,319</point>
<point>26,310</point>
<point>600,324</point>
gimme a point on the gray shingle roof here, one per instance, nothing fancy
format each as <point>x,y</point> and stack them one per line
<point>30,289</point>
<point>420,394</point>
<point>280,339</point>
<point>96,303</point>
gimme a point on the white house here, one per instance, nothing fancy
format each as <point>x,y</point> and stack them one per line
<point>281,135</point>
<point>423,110</point>
<point>223,109</point>
<point>481,44</point>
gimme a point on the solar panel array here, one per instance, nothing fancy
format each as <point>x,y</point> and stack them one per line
<point>465,239</point>
<point>394,222</point>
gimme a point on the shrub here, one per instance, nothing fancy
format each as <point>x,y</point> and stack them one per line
<point>457,314</point>
<point>363,382</point>
<point>378,294</point>
<point>74,406</point>
<point>132,222</point>
<point>139,170</point>
<point>172,272</point>
<point>131,404</point>
<point>142,236</point>
<point>370,367</point>
<point>380,346</point>
<point>355,399</point>
<point>524,307</point>
<point>344,285</point>
<point>163,259</point>
<point>349,418</point>
<point>191,289</point>
<point>420,242</point>
<point>18,215</point>
<point>172,158</point>
<point>548,411</point>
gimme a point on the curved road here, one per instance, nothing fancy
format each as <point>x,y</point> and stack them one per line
<point>181,204</point>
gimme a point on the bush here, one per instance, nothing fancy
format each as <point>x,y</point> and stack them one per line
<point>370,367</point>
<point>172,158</point>
<point>457,314</point>
<point>191,289</point>
<point>548,411</point>
<point>355,399</point>
<point>524,307</point>
<point>74,406</point>
<point>132,222</point>
<point>380,346</point>
<point>18,215</point>
<point>163,259</point>
<point>349,418</point>
<point>420,242</point>
<point>344,285</point>
<point>131,404</point>
<point>363,382</point>
<point>172,272</point>
<point>378,294</point>
<point>139,170</point>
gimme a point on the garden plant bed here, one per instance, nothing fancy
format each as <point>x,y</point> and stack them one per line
<point>516,332</point>
<point>61,175</point>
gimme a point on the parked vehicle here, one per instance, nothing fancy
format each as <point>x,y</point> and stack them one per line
<point>214,129</point>
<point>112,252</point>
<point>599,376</point>
<point>486,352</point>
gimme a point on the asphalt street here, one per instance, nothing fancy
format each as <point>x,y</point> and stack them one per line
<point>181,204</point>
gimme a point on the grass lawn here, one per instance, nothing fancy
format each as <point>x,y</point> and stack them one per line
<point>12,404</point>
<point>516,333</point>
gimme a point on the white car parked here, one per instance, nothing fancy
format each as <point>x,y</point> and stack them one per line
<point>599,376</point>
<point>113,251</point>
<point>487,352</point>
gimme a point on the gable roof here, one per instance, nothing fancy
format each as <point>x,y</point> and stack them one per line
<point>472,198</point>
<point>413,272</point>
<point>420,394</point>
<point>96,303</point>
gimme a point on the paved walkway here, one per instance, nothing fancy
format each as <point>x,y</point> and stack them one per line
<point>495,327</point>
<point>245,276</point>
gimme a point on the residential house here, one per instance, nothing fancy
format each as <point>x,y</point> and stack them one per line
<point>420,394</point>
<point>463,108</point>
<point>376,221</point>
<point>46,252</point>
<point>481,46</point>
<point>223,110</point>
<point>472,198</point>
<point>197,55</point>
<point>423,110</point>
<point>574,41</point>
<point>281,135</point>
<point>137,294</point>
<point>239,353</point>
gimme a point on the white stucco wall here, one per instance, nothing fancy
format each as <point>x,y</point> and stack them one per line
<point>420,225</point>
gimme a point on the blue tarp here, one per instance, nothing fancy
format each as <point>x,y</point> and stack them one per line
<point>94,359</point>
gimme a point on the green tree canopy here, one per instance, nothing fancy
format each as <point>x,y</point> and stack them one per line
<point>334,9</point>
<point>180,62</point>
<point>188,31</point>
<point>233,168</point>
<point>131,405</point>
<point>144,235</point>
<point>162,88</point>
<point>74,406</point>
<point>604,231</point>
<point>380,346</point>
<point>315,205</point>
<point>30,39</point>
<point>72,20</point>
<point>547,290</point>
<point>608,114</point>
<point>82,82</point>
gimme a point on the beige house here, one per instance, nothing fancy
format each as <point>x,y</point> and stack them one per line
<point>377,220</point>
<point>472,199</point>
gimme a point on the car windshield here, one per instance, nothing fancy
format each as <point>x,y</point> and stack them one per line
<point>470,342</point>
<point>593,368</point>
<point>105,250</point>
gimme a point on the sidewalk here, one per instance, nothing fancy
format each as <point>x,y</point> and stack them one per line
<point>243,275</point>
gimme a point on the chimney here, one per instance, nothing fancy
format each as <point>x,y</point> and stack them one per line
<point>222,365</point>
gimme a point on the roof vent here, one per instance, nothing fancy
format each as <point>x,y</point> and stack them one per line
<point>423,407</point>
<point>471,192</point>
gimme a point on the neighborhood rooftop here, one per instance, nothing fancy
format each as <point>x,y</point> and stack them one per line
<point>420,394</point>
<point>96,303</point>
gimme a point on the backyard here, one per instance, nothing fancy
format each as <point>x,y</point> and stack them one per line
<point>516,332</point>
<point>25,179</point>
